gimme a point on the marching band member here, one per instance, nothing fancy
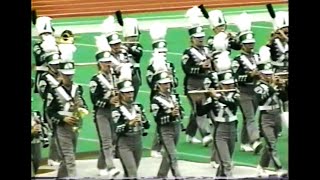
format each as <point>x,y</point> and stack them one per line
<point>66,108</point>
<point>46,46</point>
<point>196,64</point>
<point>218,24</point>
<point>131,35</point>
<point>159,45</point>
<point>66,44</point>
<point>118,51</point>
<point>166,112</point>
<point>220,45</point>
<point>269,90</point>
<point>245,69</point>
<point>130,124</point>
<point>279,42</point>
<point>39,135</point>
<point>279,50</point>
<point>222,108</point>
<point>47,81</point>
<point>103,96</point>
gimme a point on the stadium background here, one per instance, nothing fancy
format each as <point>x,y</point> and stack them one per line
<point>67,14</point>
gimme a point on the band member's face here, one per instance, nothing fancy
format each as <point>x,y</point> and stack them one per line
<point>267,77</point>
<point>248,47</point>
<point>105,66</point>
<point>127,96</point>
<point>116,48</point>
<point>220,28</point>
<point>198,41</point>
<point>285,32</point>
<point>67,79</point>
<point>228,86</point>
<point>165,87</point>
<point>54,67</point>
<point>132,39</point>
<point>163,53</point>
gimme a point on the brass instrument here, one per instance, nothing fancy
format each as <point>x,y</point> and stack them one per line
<point>78,113</point>
<point>66,37</point>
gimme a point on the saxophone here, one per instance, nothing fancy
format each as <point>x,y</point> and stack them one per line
<point>78,112</point>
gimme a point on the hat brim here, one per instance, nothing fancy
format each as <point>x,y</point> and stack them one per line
<point>165,80</point>
<point>248,41</point>
<point>198,35</point>
<point>161,49</point>
<point>127,89</point>
<point>105,60</point>
<point>267,72</point>
<point>54,62</point>
<point>228,81</point>
<point>67,71</point>
<point>116,41</point>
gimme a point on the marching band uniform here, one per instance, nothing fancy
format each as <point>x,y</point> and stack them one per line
<point>49,80</point>
<point>222,108</point>
<point>218,24</point>
<point>220,45</point>
<point>279,49</point>
<point>269,93</point>
<point>130,123</point>
<point>244,67</point>
<point>65,106</point>
<point>196,65</point>
<point>46,46</point>
<point>159,45</point>
<point>168,124</point>
<point>101,94</point>
<point>131,34</point>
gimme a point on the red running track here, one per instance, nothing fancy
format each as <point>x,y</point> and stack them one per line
<point>77,8</point>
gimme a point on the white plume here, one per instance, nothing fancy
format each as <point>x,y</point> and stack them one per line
<point>193,14</point>
<point>102,43</point>
<point>125,72</point>
<point>159,63</point>
<point>49,44</point>
<point>221,42</point>
<point>223,62</point>
<point>109,25</point>
<point>243,22</point>
<point>67,51</point>
<point>158,31</point>
<point>265,55</point>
